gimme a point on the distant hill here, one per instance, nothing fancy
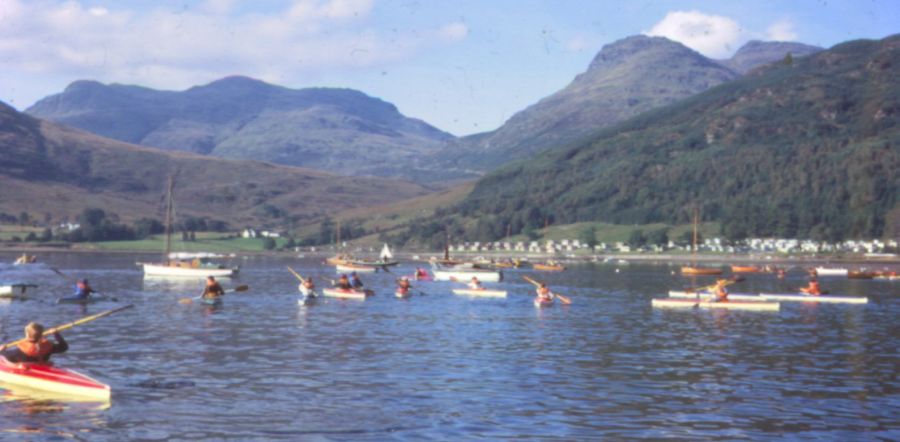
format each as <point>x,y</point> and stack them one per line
<point>758,53</point>
<point>49,168</point>
<point>806,149</point>
<point>626,78</point>
<point>335,130</point>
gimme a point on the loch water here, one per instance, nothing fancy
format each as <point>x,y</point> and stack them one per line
<point>443,367</point>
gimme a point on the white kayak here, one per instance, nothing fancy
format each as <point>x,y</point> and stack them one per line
<point>708,295</point>
<point>347,294</point>
<point>730,304</point>
<point>480,292</point>
<point>803,297</point>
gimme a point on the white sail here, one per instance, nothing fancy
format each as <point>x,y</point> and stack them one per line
<point>386,253</point>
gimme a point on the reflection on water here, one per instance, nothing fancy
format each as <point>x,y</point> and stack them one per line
<point>439,366</point>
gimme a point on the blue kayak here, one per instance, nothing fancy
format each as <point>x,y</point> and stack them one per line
<point>212,301</point>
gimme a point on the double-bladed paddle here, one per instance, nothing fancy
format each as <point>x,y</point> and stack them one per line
<point>564,299</point>
<point>59,328</point>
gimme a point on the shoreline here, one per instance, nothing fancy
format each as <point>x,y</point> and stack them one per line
<point>719,259</point>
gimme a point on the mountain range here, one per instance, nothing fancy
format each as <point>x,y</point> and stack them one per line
<point>47,168</point>
<point>626,78</point>
<point>334,130</point>
<point>347,132</point>
<point>807,147</point>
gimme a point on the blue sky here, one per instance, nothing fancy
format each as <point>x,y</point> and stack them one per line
<point>463,66</point>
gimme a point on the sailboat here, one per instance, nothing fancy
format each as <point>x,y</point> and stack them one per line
<point>341,258</point>
<point>168,267</point>
<point>693,270</point>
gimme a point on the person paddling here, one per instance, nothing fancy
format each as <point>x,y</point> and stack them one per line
<point>212,289</point>
<point>83,290</point>
<point>720,290</point>
<point>35,348</point>
<point>355,281</point>
<point>543,294</point>
<point>308,288</point>
<point>475,284</point>
<point>813,287</point>
<point>403,286</point>
<point>421,273</point>
<point>343,283</point>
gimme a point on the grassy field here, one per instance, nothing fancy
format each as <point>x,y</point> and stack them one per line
<point>206,242</point>
<point>7,231</point>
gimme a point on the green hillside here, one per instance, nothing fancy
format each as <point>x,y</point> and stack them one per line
<point>809,147</point>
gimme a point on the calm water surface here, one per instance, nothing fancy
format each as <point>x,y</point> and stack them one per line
<point>439,366</point>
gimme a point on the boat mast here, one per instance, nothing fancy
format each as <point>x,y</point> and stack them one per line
<point>694,242</point>
<point>446,244</point>
<point>169,210</point>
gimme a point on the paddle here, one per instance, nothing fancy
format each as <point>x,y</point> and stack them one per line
<point>74,323</point>
<point>240,288</point>
<point>296,274</point>
<point>734,279</point>
<point>564,299</point>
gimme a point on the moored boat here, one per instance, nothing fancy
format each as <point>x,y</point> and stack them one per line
<point>25,259</point>
<point>690,270</point>
<point>51,378</point>
<point>730,304</point>
<point>346,294</point>
<point>746,269</point>
<point>17,290</point>
<point>831,271</point>
<point>465,275</point>
<point>480,292</point>
<point>356,268</point>
<point>803,297</point>
<point>861,274</point>
<point>548,267</point>
<point>188,270</point>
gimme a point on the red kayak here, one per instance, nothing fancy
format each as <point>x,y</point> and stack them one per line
<point>47,377</point>
<point>543,302</point>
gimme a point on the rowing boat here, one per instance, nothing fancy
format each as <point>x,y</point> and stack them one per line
<point>730,304</point>
<point>347,294</point>
<point>355,268</point>
<point>50,378</point>
<point>802,297</point>
<point>708,295</point>
<point>480,292</point>
<point>543,302</point>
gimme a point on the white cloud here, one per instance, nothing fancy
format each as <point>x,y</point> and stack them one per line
<point>782,30</point>
<point>455,31</point>
<point>175,49</point>
<point>577,44</point>
<point>712,35</point>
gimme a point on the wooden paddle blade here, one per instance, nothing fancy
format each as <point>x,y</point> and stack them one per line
<point>185,300</point>
<point>296,274</point>
<point>564,299</point>
<point>536,284</point>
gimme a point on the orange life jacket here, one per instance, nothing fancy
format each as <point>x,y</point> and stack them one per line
<point>721,293</point>
<point>813,288</point>
<point>40,349</point>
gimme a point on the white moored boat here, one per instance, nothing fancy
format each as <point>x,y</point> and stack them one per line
<point>15,290</point>
<point>355,268</point>
<point>731,304</point>
<point>802,297</point>
<point>480,292</point>
<point>464,273</point>
<point>831,271</point>
<point>173,269</point>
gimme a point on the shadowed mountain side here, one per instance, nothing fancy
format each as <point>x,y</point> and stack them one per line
<point>60,170</point>
<point>758,53</point>
<point>336,130</point>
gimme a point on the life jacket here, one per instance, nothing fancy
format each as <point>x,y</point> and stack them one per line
<point>721,293</point>
<point>813,288</point>
<point>403,290</point>
<point>41,349</point>
<point>475,285</point>
<point>544,293</point>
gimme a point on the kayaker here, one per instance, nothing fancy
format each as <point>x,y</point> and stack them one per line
<point>308,288</point>
<point>813,287</point>
<point>403,285</point>
<point>35,348</point>
<point>355,281</point>
<point>421,273</point>
<point>343,283</point>
<point>83,290</point>
<point>720,290</point>
<point>475,284</point>
<point>212,289</point>
<point>544,294</point>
